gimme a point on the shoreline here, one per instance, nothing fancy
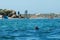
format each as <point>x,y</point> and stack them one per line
<point>31,18</point>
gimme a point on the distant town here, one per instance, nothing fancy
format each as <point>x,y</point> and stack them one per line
<point>13,14</point>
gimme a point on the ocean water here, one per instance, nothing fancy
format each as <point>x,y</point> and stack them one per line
<point>24,29</point>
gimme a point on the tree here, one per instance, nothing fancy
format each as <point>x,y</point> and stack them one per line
<point>26,11</point>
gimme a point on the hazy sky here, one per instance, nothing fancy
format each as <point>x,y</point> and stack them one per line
<point>33,6</point>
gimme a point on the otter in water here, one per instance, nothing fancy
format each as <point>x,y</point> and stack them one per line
<point>36,28</point>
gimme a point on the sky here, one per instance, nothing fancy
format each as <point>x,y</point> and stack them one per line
<point>33,6</point>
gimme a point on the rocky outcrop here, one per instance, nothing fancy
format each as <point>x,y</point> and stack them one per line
<point>6,12</point>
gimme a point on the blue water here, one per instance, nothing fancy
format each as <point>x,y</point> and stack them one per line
<point>24,29</point>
